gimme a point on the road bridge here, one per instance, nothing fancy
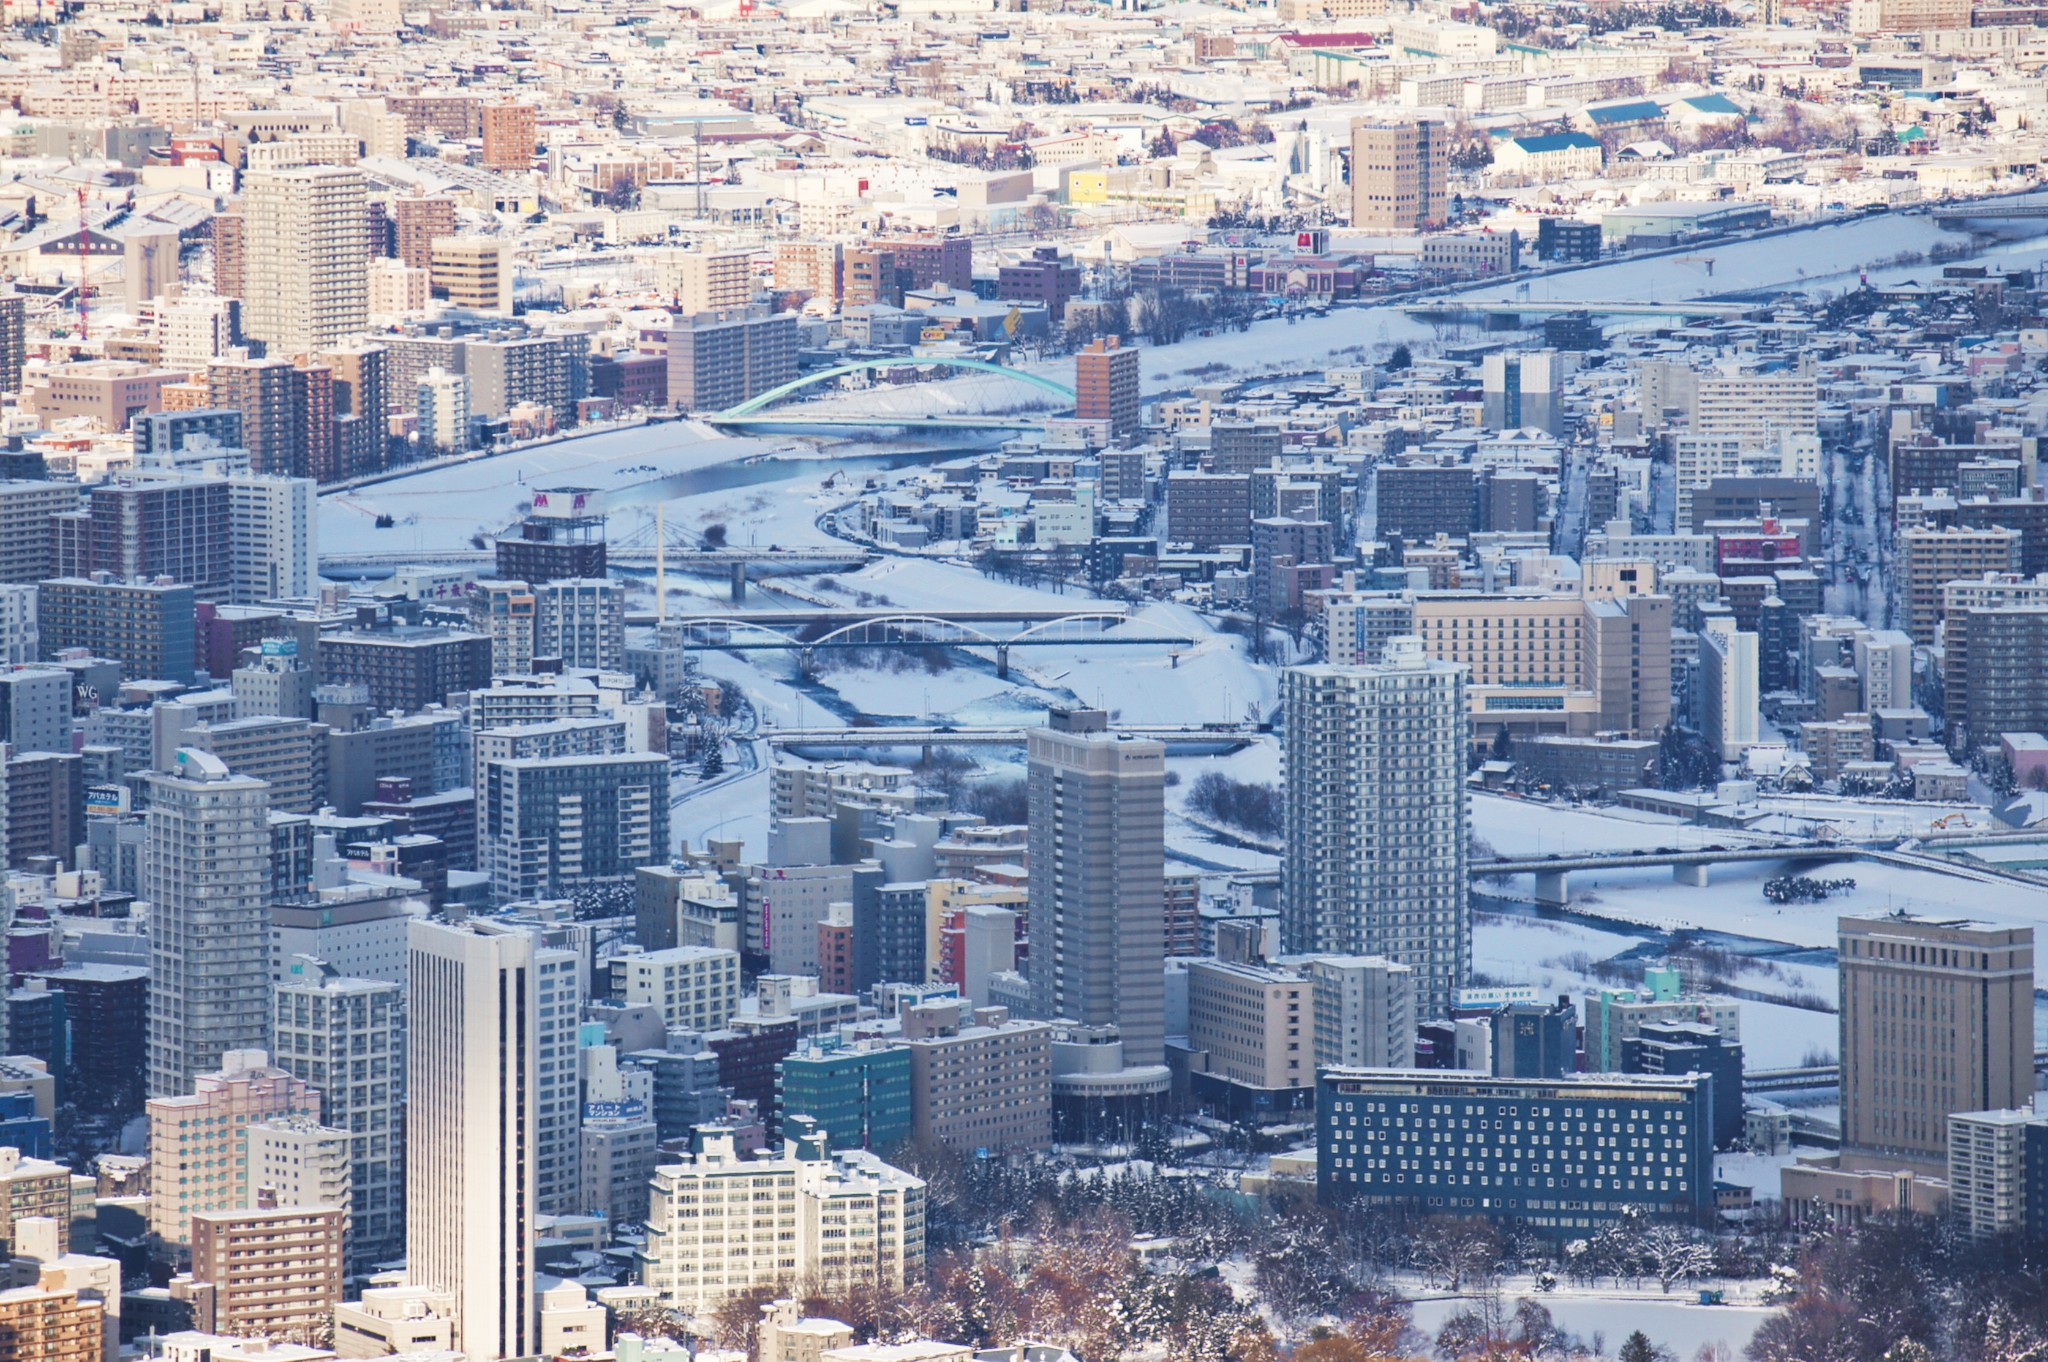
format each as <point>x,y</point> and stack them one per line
<point>754,413</point>
<point>1073,629</point>
<point>930,736</point>
<point>1455,307</point>
<point>1690,865</point>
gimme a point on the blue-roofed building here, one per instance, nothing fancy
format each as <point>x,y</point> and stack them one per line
<point>1627,119</point>
<point>1552,156</point>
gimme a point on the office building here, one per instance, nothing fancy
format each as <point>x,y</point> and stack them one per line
<point>1693,1047</point>
<point>978,1080</point>
<point>859,1095</point>
<point>1377,823</point>
<point>694,988</point>
<point>548,827</point>
<point>270,1272</point>
<point>307,257</point>
<point>35,709</point>
<point>21,641</point>
<point>273,545</point>
<point>721,1225</point>
<point>344,1037</point>
<point>1521,390</point>
<point>581,621</point>
<point>199,1142</point>
<point>562,537</point>
<point>106,1009</point>
<point>718,360</point>
<point>478,1096</point>
<point>1397,177</point>
<point>1364,1007</point>
<point>206,874</point>
<point>1533,1040</point>
<point>1937,1017</point>
<point>1556,1157</point>
<point>1614,1017</point>
<point>1097,867</point>
<point>1108,386</point>
<point>1251,1034</point>
<point>209,432</point>
<point>45,794</point>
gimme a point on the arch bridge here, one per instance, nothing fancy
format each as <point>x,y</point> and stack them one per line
<point>754,411</point>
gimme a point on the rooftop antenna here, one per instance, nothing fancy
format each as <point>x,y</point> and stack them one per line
<point>660,570</point>
<point>84,243</point>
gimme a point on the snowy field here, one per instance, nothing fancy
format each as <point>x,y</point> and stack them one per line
<point>1677,1322</point>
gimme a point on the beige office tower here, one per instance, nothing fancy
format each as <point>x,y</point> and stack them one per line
<point>475,1135</point>
<point>206,874</point>
<point>1937,1017</point>
<point>1397,177</point>
<point>305,258</point>
<point>1097,867</point>
<point>1377,820</point>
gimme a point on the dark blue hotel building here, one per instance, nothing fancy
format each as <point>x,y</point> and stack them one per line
<point>1555,1156</point>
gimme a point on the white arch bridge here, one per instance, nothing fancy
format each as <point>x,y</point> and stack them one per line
<point>1078,629</point>
<point>755,413</point>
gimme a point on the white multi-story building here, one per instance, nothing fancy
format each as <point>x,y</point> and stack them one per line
<point>306,257</point>
<point>1728,687</point>
<point>491,1012</point>
<point>20,639</point>
<point>719,1225</point>
<point>272,542</point>
<point>299,1160</point>
<point>199,1142</point>
<point>697,988</point>
<point>1364,1011</point>
<point>441,409</point>
<point>1987,1170</point>
<point>196,330</point>
<point>1703,455</point>
<point>207,875</point>
<point>344,1037</point>
<point>582,621</point>
<point>1377,821</point>
<point>1758,405</point>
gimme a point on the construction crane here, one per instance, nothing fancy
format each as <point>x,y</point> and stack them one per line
<point>1706,260</point>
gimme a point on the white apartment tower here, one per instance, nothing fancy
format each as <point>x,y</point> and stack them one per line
<point>1364,1012</point>
<point>582,621</point>
<point>491,1092</point>
<point>206,874</point>
<point>1376,815</point>
<point>272,547</point>
<point>344,1037</point>
<point>1098,880</point>
<point>307,258</point>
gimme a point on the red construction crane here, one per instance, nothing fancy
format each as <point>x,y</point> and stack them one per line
<point>84,254</point>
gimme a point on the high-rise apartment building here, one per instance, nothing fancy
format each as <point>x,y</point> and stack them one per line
<point>1097,868</point>
<point>173,526</point>
<point>1108,386</point>
<point>721,1225</point>
<point>344,1037</point>
<point>27,536</point>
<point>1728,687</point>
<point>718,360</point>
<point>13,339</point>
<point>1932,557</point>
<point>271,1272</point>
<point>199,1141</point>
<point>1989,1172</point>
<point>581,621</point>
<point>33,1188</point>
<point>1378,828</point>
<point>978,1079</point>
<point>491,1091</point>
<point>307,257</point>
<point>273,547</point>
<point>41,1325</point>
<point>1364,1011</point>
<point>420,221</point>
<point>549,826</point>
<point>206,873</point>
<point>1937,1018</point>
<point>1397,176</point>
<point>510,136</point>
<point>708,281</point>
<point>361,407</point>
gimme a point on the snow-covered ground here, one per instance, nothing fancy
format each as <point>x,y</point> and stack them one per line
<point>1676,1321</point>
